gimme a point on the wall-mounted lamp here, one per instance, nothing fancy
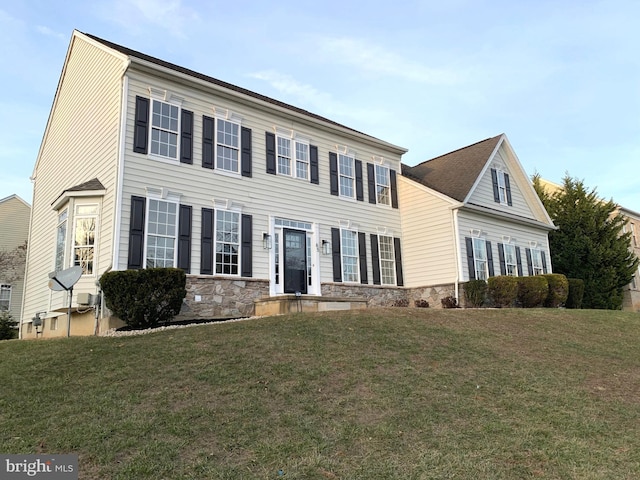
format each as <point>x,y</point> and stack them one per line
<point>326,247</point>
<point>267,243</point>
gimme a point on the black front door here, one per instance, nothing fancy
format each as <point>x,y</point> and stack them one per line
<point>295,261</point>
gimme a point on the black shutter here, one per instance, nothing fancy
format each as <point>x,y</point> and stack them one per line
<point>359,184</point>
<point>470,263</point>
<point>208,138</point>
<point>490,258</point>
<point>184,238</point>
<point>507,185</point>
<point>544,262</point>
<point>206,242</point>
<point>529,264</point>
<point>371,182</point>
<point>496,189</point>
<point>136,233</point>
<point>362,252</point>
<point>333,173</point>
<point>247,250</point>
<point>398,255</point>
<point>245,142</point>
<point>337,257</point>
<point>394,188</point>
<point>503,265</point>
<point>375,259</point>
<point>141,126</point>
<point>519,261</point>
<point>313,164</point>
<point>186,137</point>
<point>270,139</point>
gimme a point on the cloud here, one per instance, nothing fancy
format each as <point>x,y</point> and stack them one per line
<point>136,15</point>
<point>48,32</point>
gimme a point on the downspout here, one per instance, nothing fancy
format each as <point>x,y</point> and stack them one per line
<point>454,219</point>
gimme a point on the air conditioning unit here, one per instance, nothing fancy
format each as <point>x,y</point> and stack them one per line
<point>85,299</point>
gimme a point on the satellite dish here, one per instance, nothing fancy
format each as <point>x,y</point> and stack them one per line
<point>65,279</point>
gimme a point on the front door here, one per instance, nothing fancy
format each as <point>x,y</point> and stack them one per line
<point>295,261</point>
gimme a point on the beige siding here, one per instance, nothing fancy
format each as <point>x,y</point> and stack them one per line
<point>80,144</point>
<point>14,231</point>
<point>429,248</point>
<point>496,230</point>
<point>263,195</point>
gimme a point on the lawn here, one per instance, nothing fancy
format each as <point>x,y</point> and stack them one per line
<point>397,393</point>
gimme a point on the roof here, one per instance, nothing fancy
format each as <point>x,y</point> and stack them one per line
<point>454,173</point>
<point>93,184</point>
<point>133,53</point>
<point>17,197</point>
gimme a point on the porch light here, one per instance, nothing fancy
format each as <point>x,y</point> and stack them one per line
<point>267,243</point>
<point>326,247</point>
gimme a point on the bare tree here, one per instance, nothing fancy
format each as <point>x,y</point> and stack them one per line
<point>12,263</point>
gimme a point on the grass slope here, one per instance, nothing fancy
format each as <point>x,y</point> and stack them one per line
<point>376,394</point>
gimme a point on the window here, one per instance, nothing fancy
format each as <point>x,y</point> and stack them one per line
<point>302,160</point>
<point>5,297</point>
<point>164,129</point>
<point>227,242</point>
<point>346,175</point>
<point>290,151</point>
<point>61,240</point>
<point>161,233</point>
<point>480,259</point>
<point>284,156</point>
<point>53,323</point>
<point>502,187</point>
<point>510,260</point>
<point>634,239</point>
<point>349,249</point>
<point>387,260</point>
<point>84,237</point>
<point>227,145</point>
<point>536,260</point>
<point>383,189</point>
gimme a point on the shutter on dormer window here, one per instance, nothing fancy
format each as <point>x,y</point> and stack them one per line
<point>270,139</point>
<point>313,164</point>
<point>507,185</point>
<point>208,132</point>
<point>371,183</point>
<point>245,141</point>
<point>186,137</point>
<point>496,189</point>
<point>394,188</point>
<point>141,125</point>
<point>333,173</point>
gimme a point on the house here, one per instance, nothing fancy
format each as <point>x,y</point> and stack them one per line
<point>14,231</point>
<point>264,205</point>
<point>470,214</point>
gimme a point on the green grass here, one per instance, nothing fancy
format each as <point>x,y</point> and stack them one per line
<point>377,394</point>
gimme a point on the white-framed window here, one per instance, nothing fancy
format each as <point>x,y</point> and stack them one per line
<point>227,238</point>
<point>346,175</point>
<point>302,160</point>
<point>350,256</point>
<point>227,145</point>
<point>165,128</point>
<point>5,297</point>
<point>480,258</point>
<point>84,237</point>
<point>292,158</point>
<point>510,260</point>
<point>383,185</point>
<point>61,240</point>
<point>387,255</point>
<point>502,187</point>
<point>162,221</point>
<point>536,260</point>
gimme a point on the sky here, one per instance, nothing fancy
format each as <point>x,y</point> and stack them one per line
<point>560,78</point>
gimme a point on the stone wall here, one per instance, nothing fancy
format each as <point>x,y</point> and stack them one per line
<point>377,296</point>
<point>433,294</point>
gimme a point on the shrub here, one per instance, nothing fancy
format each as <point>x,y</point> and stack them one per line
<point>502,290</point>
<point>576,292</point>
<point>8,326</point>
<point>449,302</point>
<point>421,303</point>
<point>558,290</point>
<point>532,291</point>
<point>475,293</point>
<point>144,298</point>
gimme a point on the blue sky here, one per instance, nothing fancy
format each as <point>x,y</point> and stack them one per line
<point>560,78</point>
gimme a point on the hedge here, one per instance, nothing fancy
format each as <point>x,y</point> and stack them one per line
<point>532,291</point>
<point>502,290</point>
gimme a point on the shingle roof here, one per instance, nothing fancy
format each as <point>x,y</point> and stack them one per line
<point>133,53</point>
<point>454,173</point>
<point>93,184</point>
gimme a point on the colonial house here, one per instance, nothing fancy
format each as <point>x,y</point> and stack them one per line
<point>471,214</point>
<point>265,206</point>
<point>14,231</point>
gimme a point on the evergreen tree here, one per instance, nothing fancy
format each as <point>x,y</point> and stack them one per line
<point>589,243</point>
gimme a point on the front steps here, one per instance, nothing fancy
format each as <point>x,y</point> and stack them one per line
<point>292,304</point>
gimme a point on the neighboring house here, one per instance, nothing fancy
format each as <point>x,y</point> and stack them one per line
<point>471,214</point>
<point>14,231</point>
<point>147,164</point>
